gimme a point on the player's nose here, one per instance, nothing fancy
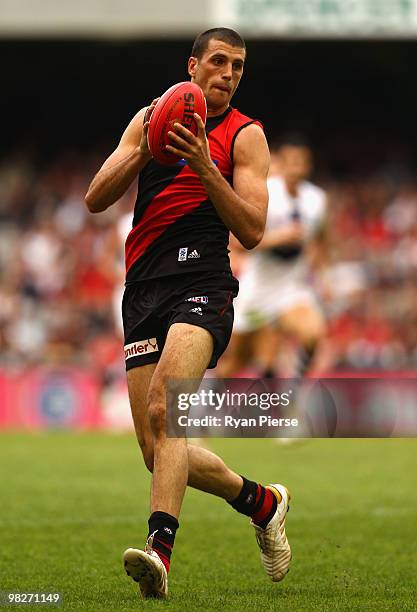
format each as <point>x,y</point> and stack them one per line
<point>227,74</point>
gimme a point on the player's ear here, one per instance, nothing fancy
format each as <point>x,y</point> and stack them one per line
<point>192,66</point>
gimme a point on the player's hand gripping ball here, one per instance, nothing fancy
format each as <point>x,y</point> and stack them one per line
<point>177,105</point>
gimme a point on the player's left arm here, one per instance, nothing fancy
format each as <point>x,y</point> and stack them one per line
<point>242,208</point>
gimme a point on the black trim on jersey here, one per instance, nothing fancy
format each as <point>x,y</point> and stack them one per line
<point>232,146</point>
<point>213,122</point>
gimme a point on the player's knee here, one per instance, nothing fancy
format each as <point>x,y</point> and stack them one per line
<point>157,419</point>
<point>156,411</point>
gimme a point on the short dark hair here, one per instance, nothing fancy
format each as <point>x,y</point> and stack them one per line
<point>226,35</point>
<point>290,139</point>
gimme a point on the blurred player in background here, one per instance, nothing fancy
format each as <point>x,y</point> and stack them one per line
<point>177,310</point>
<point>274,287</point>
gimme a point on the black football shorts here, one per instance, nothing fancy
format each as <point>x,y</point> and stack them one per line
<point>150,307</point>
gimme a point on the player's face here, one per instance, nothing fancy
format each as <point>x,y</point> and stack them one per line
<point>295,163</point>
<point>218,73</point>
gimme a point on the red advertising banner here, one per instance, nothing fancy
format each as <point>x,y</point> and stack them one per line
<point>7,395</point>
<point>44,397</point>
<point>344,405</point>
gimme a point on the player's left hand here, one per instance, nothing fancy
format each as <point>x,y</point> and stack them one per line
<point>194,149</point>
<point>143,145</point>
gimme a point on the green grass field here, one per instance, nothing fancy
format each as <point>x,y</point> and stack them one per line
<point>70,505</point>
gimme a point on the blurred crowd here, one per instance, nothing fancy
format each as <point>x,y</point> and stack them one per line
<point>62,268</point>
<point>368,276</point>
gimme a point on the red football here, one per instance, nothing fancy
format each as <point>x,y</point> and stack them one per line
<point>177,105</point>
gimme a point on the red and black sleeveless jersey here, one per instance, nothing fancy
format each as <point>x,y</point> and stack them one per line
<point>176,229</point>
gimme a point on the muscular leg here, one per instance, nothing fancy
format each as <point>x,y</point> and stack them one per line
<point>170,472</point>
<point>175,465</point>
<point>138,381</point>
<point>206,471</point>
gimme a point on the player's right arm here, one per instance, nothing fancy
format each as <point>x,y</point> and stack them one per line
<point>122,166</point>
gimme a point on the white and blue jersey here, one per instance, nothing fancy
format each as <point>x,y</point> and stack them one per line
<point>275,280</point>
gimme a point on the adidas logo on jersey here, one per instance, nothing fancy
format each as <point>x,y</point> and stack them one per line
<point>197,310</point>
<point>194,255</point>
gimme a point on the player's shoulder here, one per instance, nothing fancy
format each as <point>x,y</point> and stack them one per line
<point>239,123</point>
<point>247,137</point>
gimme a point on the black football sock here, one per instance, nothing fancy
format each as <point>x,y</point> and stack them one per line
<point>246,500</point>
<point>163,527</point>
<point>255,501</point>
<point>265,508</point>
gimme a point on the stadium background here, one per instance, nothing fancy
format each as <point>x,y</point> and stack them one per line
<point>73,73</point>
<point>73,77</point>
